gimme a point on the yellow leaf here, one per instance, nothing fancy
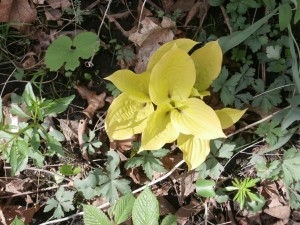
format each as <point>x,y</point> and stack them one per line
<point>208,62</point>
<point>159,129</point>
<point>126,117</point>
<point>229,116</point>
<point>172,77</point>
<point>134,85</point>
<point>182,43</point>
<point>195,150</point>
<point>196,118</point>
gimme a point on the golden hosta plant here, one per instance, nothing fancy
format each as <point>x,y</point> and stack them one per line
<point>164,103</point>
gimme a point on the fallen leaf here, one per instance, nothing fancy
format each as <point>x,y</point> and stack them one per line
<point>167,5</point>
<point>280,212</point>
<point>69,129</point>
<point>17,11</point>
<point>53,14</point>
<point>29,61</point>
<point>39,2</point>
<point>24,213</point>
<point>55,4</point>
<point>95,102</point>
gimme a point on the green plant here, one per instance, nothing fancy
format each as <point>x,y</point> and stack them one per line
<point>63,202</point>
<point>26,139</point>
<point>144,210</point>
<point>89,143</point>
<point>105,184</point>
<point>65,52</point>
<point>175,83</point>
<point>148,160</point>
<point>244,194</point>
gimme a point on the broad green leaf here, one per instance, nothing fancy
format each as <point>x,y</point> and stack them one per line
<point>18,156</point>
<point>94,216</point>
<point>87,186</point>
<point>195,150</point>
<point>126,117</point>
<point>205,188</point>
<point>295,66</point>
<point>182,43</point>
<point>208,62</point>
<point>64,50</point>
<point>123,208</point>
<point>297,13</point>
<point>229,116</point>
<point>67,169</point>
<point>169,220</point>
<point>16,110</point>
<point>134,85</point>
<point>196,118</point>
<point>59,105</point>
<point>270,4</point>
<point>234,39</point>
<point>290,166</point>
<point>54,145</point>
<point>28,95</point>
<point>159,129</point>
<point>173,77</point>
<point>57,135</point>
<point>145,209</point>
<point>285,15</point>
<point>17,221</point>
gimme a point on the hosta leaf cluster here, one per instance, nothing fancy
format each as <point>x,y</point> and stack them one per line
<point>165,104</point>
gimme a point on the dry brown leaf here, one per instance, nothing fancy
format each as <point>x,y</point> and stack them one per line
<point>164,206</point>
<point>69,129</point>
<point>39,2</point>
<point>187,185</point>
<point>123,145</point>
<point>183,5</point>
<point>29,61</point>
<point>280,212</point>
<point>167,5</point>
<point>150,38</point>
<point>18,11</point>
<point>53,14</point>
<point>95,102</point>
<point>24,213</point>
<point>16,186</point>
<point>192,12</point>
<point>55,4</point>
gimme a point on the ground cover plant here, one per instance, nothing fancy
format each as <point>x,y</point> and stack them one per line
<point>149,112</point>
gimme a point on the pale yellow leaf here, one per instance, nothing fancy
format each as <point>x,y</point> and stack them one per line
<point>126,117</point>
<point>172,77</point>
<point>134,85</point>
<point>229,116</point>
<point>208,62</point>
<point>182,43</point>
<point>195,150</point>
<point>194,117</point>
<point>159,129</point>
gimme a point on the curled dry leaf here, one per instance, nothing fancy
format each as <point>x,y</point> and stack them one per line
<point>123,145</point>
<point>53,14</point>
<point>55,4</point>
<point>95,102</point>
<point>69,129</point>
<point>17,11</point>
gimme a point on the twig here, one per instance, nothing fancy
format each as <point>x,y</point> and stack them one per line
<point>107,203</point>
<point>226,17</point>
<point>43,171</point>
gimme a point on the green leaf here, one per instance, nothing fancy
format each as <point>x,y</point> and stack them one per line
<point>69,170</point>
<point>18,156</point>
<point>28,95</point>
<point>273,52</point>
<point>266,98</point>
<point>232,40</point>
<point>285,15</point>
<point>1,114</point>
<point>87,186</point>
<point>149,162</point>
<point>271,131</point>
<point>16,110</point>
<point>215,2</point>
<point>59,105</point>
<point>270,4</point>
<point>57,135</point>
<point>123,208</point>
<point>110,184</point>
<point>205,188</point>
<point>145,209</point>
<point>169,220</point>
<point>63,202</point>
<point>17,221</point>
<point>290,166</point>
<point>64,50</point>
<point>54,145</point>
<point>94,216</point>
